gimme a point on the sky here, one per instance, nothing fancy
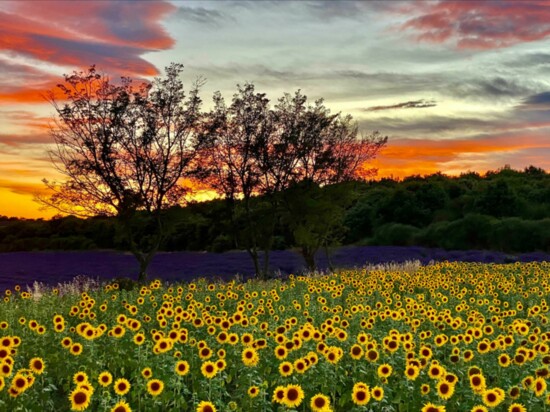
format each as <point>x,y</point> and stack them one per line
<point>457,86</point>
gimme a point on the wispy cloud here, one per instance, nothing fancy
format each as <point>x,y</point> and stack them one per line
<point>201,15</point>
<point>540,101</point>
<point>18,139</point>
<point>413,104</point>
<point>490,88</point>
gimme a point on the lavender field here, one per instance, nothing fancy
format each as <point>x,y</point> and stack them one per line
<point>53,267</point>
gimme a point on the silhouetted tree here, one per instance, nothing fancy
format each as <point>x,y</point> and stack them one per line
<point>235,135</point>
<point>255,150</point>
<point>123,151</point>
<point>324,149</point>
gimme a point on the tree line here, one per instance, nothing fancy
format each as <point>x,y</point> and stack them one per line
<point>125,150</point>
<point>505,210</point>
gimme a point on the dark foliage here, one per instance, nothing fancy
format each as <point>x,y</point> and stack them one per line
<point>444,212</point>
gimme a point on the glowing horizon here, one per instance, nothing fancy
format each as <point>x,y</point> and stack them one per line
<point>457,86</point>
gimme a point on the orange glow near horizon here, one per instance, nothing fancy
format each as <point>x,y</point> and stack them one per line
<point>18,202</point>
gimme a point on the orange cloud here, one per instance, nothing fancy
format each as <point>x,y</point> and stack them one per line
<point>405,157</point>
<point>23,188</point>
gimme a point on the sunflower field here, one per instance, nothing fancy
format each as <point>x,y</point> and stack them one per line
<point>446,337</point>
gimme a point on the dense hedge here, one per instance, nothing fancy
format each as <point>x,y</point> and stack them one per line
<point>505,210</point>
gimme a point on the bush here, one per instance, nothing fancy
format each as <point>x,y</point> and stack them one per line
<point>396,234</point>
<point>470,232</point>
<point>518,235</point>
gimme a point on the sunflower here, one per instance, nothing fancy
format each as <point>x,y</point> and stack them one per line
<point>285,369</point>
<point>492,397</point>
<point>278,394</point>
<point>19,383</point>
<point>118,331</point>
<point>451,378</point>
<point>155,387</point>
<point>253,391</point>
<point>13,392</point>
<point>372,355</point>
<point>527,382</point>
<point>477,383</point>
<point>247,339</point>
<point>250,357</point>
<point>384,371</point>
<point>332,356</point>
<point>425,389</point>
<point>483,347</point>
<point>80,399</point>
<point>360,394</point>
<point>66,342</point>
<point>80,378</point>
<point>139,339</point>
<point>294,395</point>
<point>430,407</point>
<point>504,360</point>
<point>86,387</point>
<point>147,373</point>
<point>122,386</point>
<point>445,390</point>
<point>205,406</point>
<point>182,368</point>
<point>426,352</point>
<point>221,364</point>
<point>209,369</point>
<point>356,352</point>
<point>377,393</point>
<point>5,369</point>
<point>514,392</point>
<point>412,372</point>
<point>539,386</point>
<point>468,355</point>
<point>517,407</point>
<point>121,406</point>
<point>320,403</point>
<point>300,366</point>
<point>37,365</point>
<point>105,379</point>
<point>205,353</point>
<point>76,349</point>
<point>436,371</point>
<point>479,408</point>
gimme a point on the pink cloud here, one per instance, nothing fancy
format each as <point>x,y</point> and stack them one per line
<point>112,35</point>
<point>485,24</point>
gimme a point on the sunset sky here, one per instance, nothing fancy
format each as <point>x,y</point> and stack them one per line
<point>456,85</point>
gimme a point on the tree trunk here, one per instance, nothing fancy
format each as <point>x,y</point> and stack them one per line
<point>144,257</point>
<point>309,256</point>
<point>329,261</point>
<point>144,260</point>
<point>265,271</point>
<point>253,249</point>
<point>256,260</point>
